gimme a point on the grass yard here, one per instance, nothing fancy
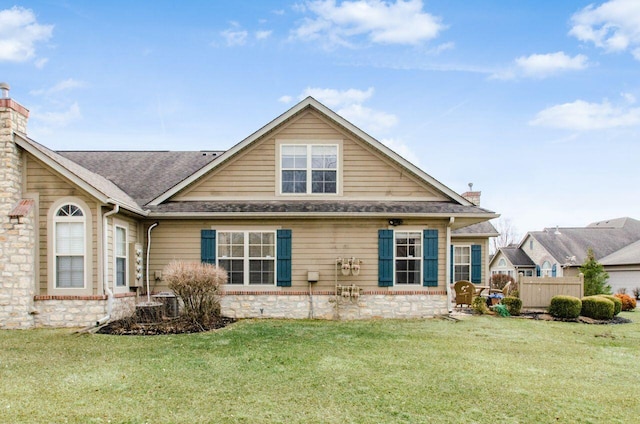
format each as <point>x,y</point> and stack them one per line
<point>479,370</point>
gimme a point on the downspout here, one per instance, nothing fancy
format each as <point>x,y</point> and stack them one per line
<point>155,224</point>
<point>105,265</point>
<point>447,271</point>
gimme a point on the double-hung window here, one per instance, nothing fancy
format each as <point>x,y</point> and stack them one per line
<point>248,256</point>
<point>69,247</point>
<point>309,168</point>
<point>121,256</point>
<point>408,257</point>
<point>462,263</point>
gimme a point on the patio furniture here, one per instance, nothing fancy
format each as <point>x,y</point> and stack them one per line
<point>465,291</point>
<point>504,290</point>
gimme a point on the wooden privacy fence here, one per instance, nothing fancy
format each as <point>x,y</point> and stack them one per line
<point>536,292</point>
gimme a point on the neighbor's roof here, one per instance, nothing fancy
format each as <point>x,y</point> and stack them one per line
<point>629,255</point>
<point>479,229</point>
<point>517,256</point>
<point>563,243</point>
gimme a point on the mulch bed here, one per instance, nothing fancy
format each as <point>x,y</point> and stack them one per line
<point>180,325</point>
<point>584,320</point>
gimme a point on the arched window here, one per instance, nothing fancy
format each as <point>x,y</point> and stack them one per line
<point>69,247</point>
<point>546,269</point>
<point>502,263</point>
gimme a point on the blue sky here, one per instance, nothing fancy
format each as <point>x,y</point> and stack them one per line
<point>535,102</point>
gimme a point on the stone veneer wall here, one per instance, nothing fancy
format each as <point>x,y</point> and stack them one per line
<point>325,305</point>
<point>80,311</point>
<point>17,237</point>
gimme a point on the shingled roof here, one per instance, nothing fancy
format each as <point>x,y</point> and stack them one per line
<point>563,243</point>
<point>517,257</point>
<point>144,175</point>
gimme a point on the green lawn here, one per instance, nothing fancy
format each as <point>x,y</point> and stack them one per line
<point>479,370</point>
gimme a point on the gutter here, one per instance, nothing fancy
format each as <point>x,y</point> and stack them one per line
<point>105,265</point>
<point>155,224</point>
<point>447,262</point>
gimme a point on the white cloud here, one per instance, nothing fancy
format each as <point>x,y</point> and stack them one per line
<point>65,85</point>
<point>19,33</point>
<point>630,98</point>
<point>613,26</point>
<point>285,99</point>
<point>262,35</point>
<point>235,37</point>
<point>543,65</point>
<point>59,118</point>
<point>583,116</point>
<point>383,22</point>
<point>349,105</point>
<point>402,149</point>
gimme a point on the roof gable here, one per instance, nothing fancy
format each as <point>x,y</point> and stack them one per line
<point>310,104</point>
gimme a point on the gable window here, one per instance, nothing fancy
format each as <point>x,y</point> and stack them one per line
<point>121,256</point>
<point>247,256</point>
<point>546,269</point>
<point>309,168</point>
<point>462,263</point>
<point>69,247</point>
<point>408,257</point>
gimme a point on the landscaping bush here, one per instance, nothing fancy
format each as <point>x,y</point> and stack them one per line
<point>566,307</point>
<point>479,305</point>
<point>199,286</point>
<point>636,292</point>
<point>513,304</point>
<point>617,303</point>
<point>597,307</point>
<point>498,281</point>
<point>628,302</point>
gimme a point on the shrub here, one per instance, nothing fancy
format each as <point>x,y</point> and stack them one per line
<point>513,304</point>
<point>566,307</point>
<point>479,305</point>
<point>617,303</point>
<point>198,285</point>
<point>636,292</point>
<point>597,307</point>
<point>628,302</point>
<point>498,281</point>
<point>595,277</point>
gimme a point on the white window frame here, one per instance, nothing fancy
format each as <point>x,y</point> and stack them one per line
<point>309,146</point>
<point>74,219</point>
<point>416,258</point>
<point>456,264</point>
<point>246,258</point>
<point>87,220</point>
<point>123,226</point>
<point>545,271</point>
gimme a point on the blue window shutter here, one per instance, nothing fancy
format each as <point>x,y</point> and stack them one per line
<point>476,263</point>
<point>553,270</point>
<point>537,270</point>
<point>385,258</point>
<point>430,257</point>
<point>208,246</point>
<point>451,276</point>
<point>284,258</point>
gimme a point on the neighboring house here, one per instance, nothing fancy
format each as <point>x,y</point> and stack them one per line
<point>85,232</point>
<point>557,252</point>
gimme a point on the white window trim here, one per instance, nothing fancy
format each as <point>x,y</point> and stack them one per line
<point>246,259</point>
<point>420,233</point>
<point>309,143</point>
<point>120,224</point>
<point>546,272</point>
<point>468,246</point>
<point>51,248</point>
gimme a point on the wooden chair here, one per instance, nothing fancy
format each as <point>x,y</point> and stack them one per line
<point>465,291</point>
<point>505,290</point>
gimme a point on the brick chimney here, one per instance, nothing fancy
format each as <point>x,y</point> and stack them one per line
<point>17,221</point>
<point>472,196</point>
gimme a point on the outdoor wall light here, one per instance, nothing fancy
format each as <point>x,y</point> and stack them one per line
<point>395,222</point>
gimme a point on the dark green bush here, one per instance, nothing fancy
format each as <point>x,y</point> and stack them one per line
<point>567,307</point>
<point>597,307</point>
<point>513,304</point>
<point>617,303</point>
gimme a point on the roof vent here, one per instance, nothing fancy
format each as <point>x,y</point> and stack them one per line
<point>4,90</point>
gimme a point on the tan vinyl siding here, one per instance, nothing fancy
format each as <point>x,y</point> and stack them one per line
<point>365,172</point>
<point>51,187</point>
<point>315,246</point>
<point>484,260</point>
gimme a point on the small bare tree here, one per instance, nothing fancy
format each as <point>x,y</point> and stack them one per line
<point>508,234</point>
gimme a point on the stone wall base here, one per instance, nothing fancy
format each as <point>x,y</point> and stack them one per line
<point>329,306</point>
<point>79,311</point>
